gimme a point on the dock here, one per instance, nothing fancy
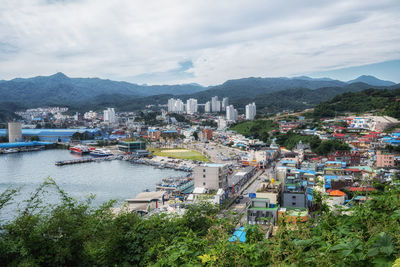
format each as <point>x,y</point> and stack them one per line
<point>85,160</point>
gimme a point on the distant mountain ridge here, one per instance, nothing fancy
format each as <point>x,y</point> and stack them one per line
<point>371,80</point>
<point>94,93</point>
<point>59,88</point>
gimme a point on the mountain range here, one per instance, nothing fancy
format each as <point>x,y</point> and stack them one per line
<point>270,94</point>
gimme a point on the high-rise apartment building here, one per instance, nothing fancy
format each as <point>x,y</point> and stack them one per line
<point>250,111</point>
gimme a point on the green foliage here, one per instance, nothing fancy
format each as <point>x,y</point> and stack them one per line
<point>258,128</point>
<point>74,233</point>
<point>291,139</point>
<point>382,101</point>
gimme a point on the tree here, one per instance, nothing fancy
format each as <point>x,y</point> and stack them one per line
<point>195,135</point>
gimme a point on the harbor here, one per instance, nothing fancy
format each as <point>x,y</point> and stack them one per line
<point>110,179</point>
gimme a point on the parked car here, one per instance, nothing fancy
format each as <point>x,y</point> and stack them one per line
<point>237,201</point>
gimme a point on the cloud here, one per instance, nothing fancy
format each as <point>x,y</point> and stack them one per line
<point>148,41</point>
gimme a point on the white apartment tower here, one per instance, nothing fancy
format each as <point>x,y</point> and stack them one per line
<point>225,103</point>
<point>207,107</point>
<point>191,106</point>
<point>231,113</point>
<point>250,111</point>
<point>109,115</point>
<point>215,104</point>
<point>175,105</point>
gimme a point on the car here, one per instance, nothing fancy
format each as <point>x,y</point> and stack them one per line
<point>237,201</point>
<point>241,197</point>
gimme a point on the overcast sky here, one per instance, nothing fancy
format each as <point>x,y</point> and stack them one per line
<point>206,42</point>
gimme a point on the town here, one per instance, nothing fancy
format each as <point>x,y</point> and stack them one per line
<point>282,176</point>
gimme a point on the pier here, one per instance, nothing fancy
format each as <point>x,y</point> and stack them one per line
<point>85,160</point>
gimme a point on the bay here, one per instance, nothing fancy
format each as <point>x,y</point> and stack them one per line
<point>107,180</point>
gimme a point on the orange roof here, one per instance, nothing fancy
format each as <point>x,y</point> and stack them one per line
<point>336,193</point>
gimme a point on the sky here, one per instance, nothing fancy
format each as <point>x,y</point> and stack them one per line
<point>205,42</point>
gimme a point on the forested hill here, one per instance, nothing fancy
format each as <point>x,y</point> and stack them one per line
<point>385,102</point>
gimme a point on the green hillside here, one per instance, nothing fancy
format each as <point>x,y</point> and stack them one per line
<point>383,102</point>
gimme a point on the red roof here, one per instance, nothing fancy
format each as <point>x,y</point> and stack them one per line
<point>358,189</point>
<point>339,135</point>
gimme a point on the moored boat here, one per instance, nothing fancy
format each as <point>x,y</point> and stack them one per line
<point>100,152</point>
<point>79,149</point>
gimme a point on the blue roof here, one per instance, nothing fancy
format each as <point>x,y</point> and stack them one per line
<point>307,171</point>
<point>22,144</point>
<point>392,141</point>
<point>330,177</point>
<point>396,134</point>
<point>288,161</point>
<point>170,131</point>
<point>239,235</point>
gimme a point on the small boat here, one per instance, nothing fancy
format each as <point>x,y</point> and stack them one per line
<point>79,149</point>
<point>10,150</point>
<point>100,152</point>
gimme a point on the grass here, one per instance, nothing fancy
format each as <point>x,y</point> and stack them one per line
<point>182,154</point>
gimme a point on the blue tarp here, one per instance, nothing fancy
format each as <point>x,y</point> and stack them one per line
<point>239,235</point>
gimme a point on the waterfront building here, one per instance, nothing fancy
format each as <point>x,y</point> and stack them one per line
<point>191,106</point>
<point>211,176</point>
<point>56,135</point>
<point>250,111</point>
<point>14,132</point>
<point>225,103</point>
<point>231,113</point>
<point>109,115</point>
<point>130,147</point>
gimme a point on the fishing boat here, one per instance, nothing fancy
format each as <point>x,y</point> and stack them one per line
<point>10,150</point>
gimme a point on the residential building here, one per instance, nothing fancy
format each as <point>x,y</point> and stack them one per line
<point>207,107</point>
<point>225,103</point>
<point>260,211</point>
<point>294,193</point>
<point>109,115</point>
<point>385,159</point>
<point>211,176</point>
<point>250,111</point>
<point>215,104</point>
<point>191,106</point>
<point>176,105</point>
<point>231,113</point>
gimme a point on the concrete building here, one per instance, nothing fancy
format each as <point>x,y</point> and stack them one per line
<point>261,211</point>
<point>215,104</point>
<point>176,105</point>
<point>90,115</point>
<point>109,115</point>
<point>225,103</point>
<point>14,132</point>
<point>385,159</point>
<point>222,124</point>
<point>294,193</point>
<point>250,111</point>
<point>211,176</point>
<point>231,113</point>
<point>191,106</point>
<point>207,107</point>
